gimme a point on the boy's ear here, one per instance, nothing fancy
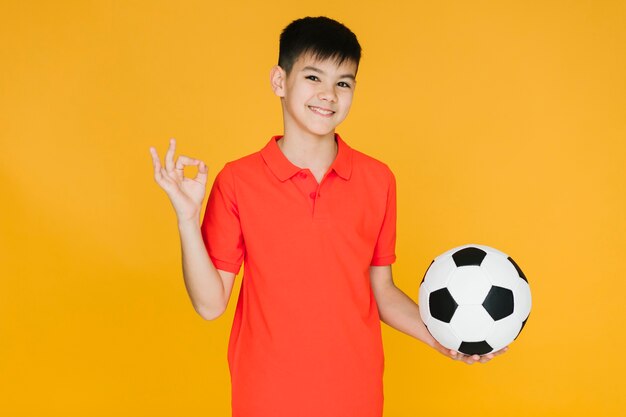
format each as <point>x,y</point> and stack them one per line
<point>278,79</point>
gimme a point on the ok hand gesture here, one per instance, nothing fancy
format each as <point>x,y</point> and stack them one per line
<point>186,194</point>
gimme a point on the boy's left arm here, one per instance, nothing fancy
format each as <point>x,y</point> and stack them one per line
<point>399,311</point>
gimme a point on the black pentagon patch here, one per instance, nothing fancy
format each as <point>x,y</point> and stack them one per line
<point>519,270</point>
<point>475,348</point>
<point>442,305</point>
<point>499,302</point>
<point>431,264</point>
<point>469,256</point>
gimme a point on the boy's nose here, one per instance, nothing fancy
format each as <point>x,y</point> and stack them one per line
<point>328,94</point>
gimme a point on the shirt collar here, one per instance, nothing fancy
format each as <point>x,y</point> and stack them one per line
<point>284,169</point>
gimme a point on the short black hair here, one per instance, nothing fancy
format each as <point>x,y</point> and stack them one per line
<point>320,36</point>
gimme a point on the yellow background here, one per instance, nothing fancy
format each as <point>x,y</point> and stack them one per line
<point>504,123</point>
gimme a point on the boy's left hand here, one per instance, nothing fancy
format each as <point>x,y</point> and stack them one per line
<point>468,359</point>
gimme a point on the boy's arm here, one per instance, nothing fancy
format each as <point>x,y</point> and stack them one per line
<point>209,288</point>
<point>399,311</point>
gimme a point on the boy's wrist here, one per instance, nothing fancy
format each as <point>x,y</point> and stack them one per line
<point>188,224</point>
<point>428,338</point>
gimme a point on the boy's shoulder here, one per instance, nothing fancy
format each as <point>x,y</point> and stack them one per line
<point>249,163</point>
<point>251,158</point>
<point>370,169</point>
<point>364,161</point>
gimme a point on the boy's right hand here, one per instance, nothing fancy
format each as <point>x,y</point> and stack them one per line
<point>186,194</point>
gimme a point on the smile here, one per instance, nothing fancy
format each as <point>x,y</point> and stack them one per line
<point>321,111</point>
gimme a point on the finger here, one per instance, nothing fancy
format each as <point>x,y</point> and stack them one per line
<point>169,156</point>
<point>457,356</point>
<point>473,359</point>
<point>486,358</point>
<point>202,174</point>
<point>164,179</point>
<point>160,175</point>
<point>465,359</point>
<point>155,157</point>
<point>156,162</point>
<point>501,351</point>
<point>182,161</point>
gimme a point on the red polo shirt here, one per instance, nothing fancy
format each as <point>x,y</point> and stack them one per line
<point>306,339</point>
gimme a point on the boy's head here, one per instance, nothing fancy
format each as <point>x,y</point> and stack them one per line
<point>321,37</point>
<point>316,75</point>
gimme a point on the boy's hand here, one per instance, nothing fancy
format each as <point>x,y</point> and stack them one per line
<point>186,194</point>
<point>468,359</point>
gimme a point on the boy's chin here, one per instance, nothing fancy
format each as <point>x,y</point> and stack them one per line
<point>318,131</point>
<point>324,133</point>
<point>324,130</point>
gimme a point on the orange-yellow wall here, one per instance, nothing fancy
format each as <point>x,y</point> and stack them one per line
<point>504,123</point>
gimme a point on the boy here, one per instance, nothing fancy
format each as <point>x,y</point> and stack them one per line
<point>313,221</point>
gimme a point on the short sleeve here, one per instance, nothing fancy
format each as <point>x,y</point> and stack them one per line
<point>385,249</point>
<point>221,228</point>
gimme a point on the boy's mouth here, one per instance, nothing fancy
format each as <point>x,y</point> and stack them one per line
<point>321,111</point>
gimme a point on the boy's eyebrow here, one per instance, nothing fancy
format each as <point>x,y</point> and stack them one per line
<point>310,68</point>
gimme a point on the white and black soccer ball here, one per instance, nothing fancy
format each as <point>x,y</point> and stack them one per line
<point>474,299</point>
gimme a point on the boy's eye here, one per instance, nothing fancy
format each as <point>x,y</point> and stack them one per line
<point>312,77</point>
<point>343,84</point>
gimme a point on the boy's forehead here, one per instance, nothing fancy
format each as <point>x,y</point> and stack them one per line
<point>309,60</point>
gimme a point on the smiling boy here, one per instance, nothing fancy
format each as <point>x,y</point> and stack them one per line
<point>313,221</point>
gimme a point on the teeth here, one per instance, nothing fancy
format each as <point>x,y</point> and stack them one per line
<point>317,109</point>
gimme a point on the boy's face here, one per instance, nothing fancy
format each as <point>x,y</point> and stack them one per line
<point>316,95</point>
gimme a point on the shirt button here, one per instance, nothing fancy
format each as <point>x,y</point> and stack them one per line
<point>302,175</point>
<point>312,195</point>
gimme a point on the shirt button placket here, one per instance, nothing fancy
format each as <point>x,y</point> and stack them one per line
<point>313,196</point>
<point>306,185</point>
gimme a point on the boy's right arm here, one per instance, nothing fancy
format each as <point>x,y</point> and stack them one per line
<point>209,288</point>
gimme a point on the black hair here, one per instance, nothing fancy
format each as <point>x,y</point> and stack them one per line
<point>320,36</point>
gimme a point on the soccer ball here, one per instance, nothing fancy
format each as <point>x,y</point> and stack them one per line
<point>474,299</point>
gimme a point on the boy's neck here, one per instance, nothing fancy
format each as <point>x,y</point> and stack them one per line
<point>316,153</point>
